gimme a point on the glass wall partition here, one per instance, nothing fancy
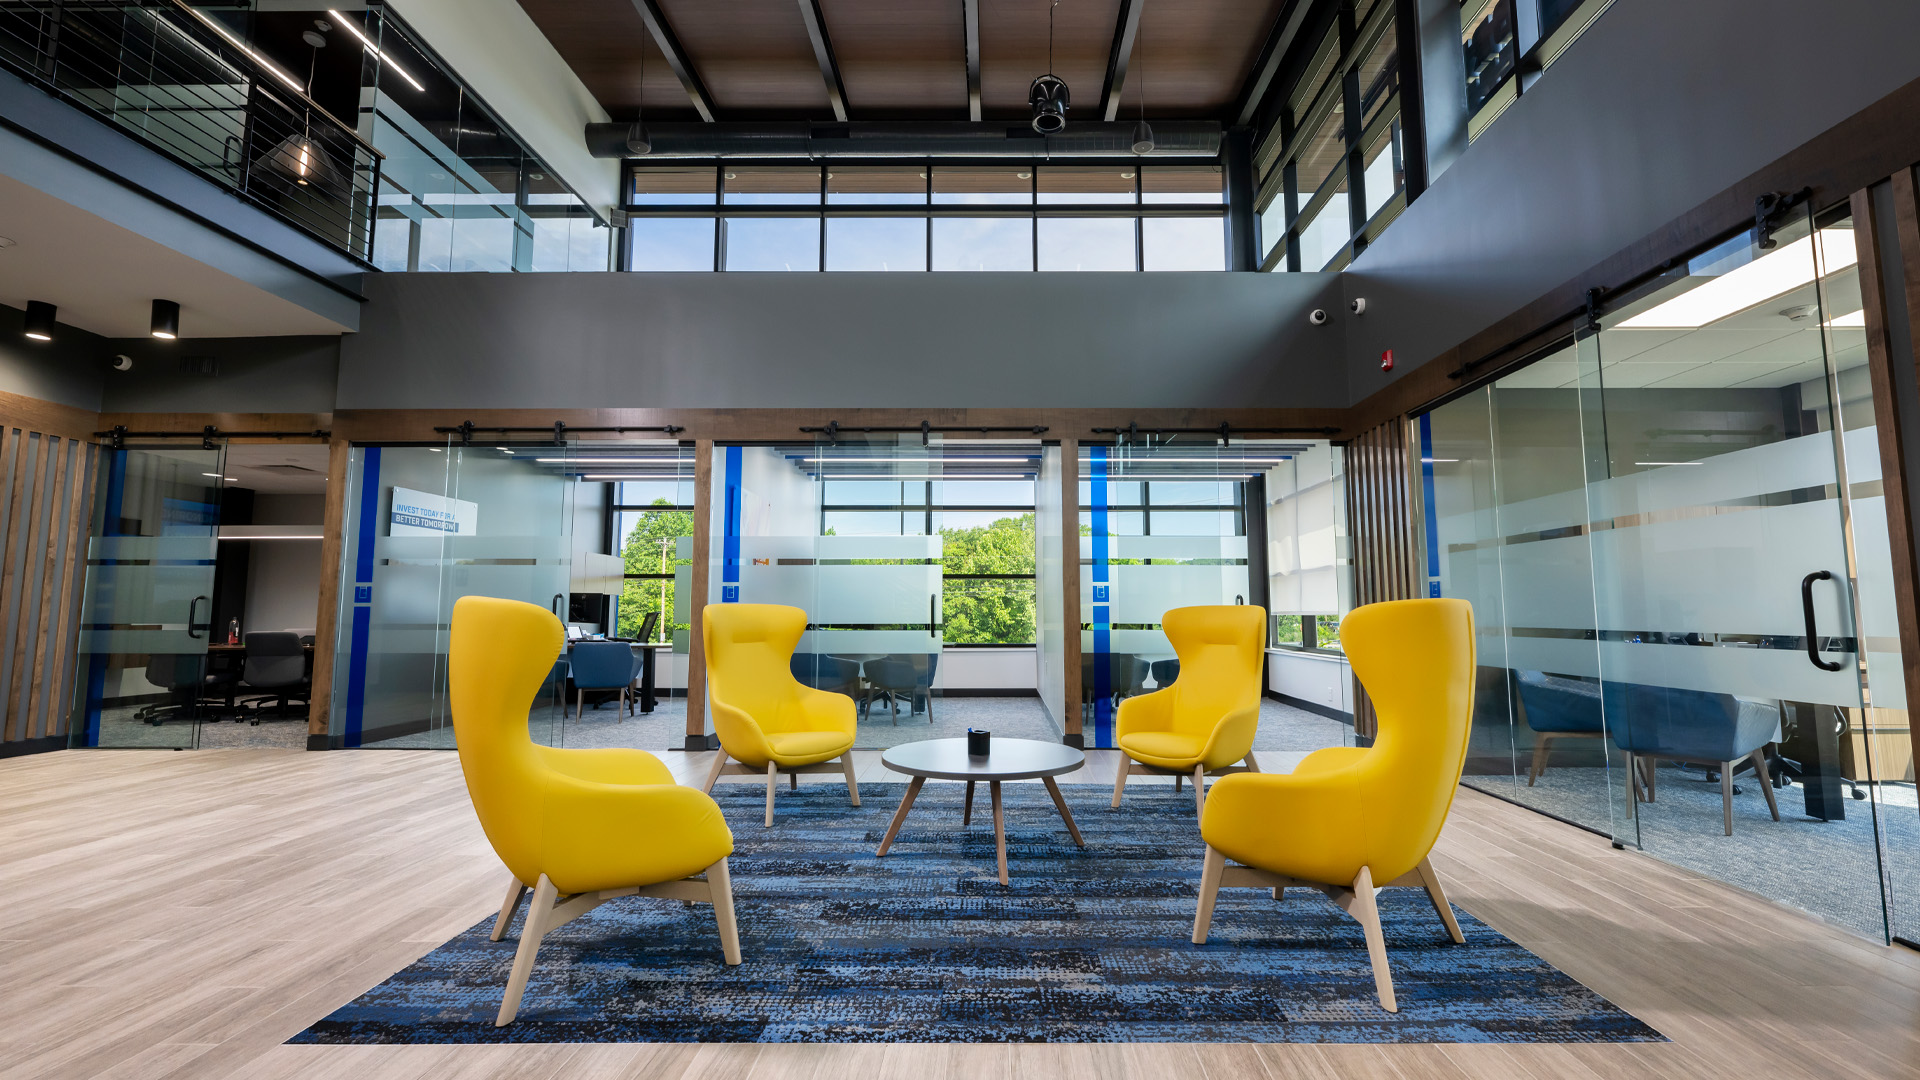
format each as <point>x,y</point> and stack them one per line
<point>916,567</point>
<point>147,607</point>
<point>1503,484</point>
<point>1674,537</point>
<point>424,527</point>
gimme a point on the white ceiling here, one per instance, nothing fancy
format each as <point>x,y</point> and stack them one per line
<point>104,278</point>
<point>278,468</point>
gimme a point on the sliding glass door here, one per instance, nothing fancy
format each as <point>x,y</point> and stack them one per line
<point>147,608</point>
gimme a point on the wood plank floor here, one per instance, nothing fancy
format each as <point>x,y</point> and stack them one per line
<point>182,914</point>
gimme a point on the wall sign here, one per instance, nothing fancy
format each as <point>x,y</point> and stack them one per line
<point>417,513</point>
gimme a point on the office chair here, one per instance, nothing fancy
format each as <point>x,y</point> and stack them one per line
<point>900,675</point>
<point>1205,722</point>
<point>578,827</point>
<point>600,665</point>
<point>1349,820</point>
<point>277,664</point>
<point>185,678</point>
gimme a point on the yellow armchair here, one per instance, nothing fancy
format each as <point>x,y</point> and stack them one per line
<point>582,826</point>
<point>1205,721</point>
<point>1349,820</point>
<point>768,721</point>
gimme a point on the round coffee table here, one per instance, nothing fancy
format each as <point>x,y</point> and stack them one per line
<point>1010,759</point>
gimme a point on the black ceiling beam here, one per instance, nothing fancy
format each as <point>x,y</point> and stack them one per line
<point>1285,30</point>
<point>823,52</point>
<point>1125,29</point>
<point>970,11</point>
<point>676,56</point>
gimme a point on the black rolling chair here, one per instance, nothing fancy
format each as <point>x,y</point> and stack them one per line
<point>277,664</point>
<point>1164,672</point>
<point>185,679</point>
<point>908,675</point>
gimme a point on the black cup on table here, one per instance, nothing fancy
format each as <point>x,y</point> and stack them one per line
<point>979,743</point>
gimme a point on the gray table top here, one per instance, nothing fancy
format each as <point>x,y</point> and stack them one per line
<point>1011,759</point>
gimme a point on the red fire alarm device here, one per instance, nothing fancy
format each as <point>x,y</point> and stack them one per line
<point>1386,360</point>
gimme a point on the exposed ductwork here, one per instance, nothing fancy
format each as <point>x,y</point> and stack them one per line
<point>810,141</point>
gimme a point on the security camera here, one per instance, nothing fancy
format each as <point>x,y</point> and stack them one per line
<point>1358,305</point>
<point>1318,317</point>
<point>122,362</point>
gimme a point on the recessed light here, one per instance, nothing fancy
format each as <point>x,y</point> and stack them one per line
<point>1024,175</point>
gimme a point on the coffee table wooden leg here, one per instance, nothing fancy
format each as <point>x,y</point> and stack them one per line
<point>999,829</point>
<point>1066,815</point>
<point>966,814</point>
<point>900,815</point>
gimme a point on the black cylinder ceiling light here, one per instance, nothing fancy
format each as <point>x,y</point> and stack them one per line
<point>1048,96</point>
<point>39,325</point>
<point>166,320</point>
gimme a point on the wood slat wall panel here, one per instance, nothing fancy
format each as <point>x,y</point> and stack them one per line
<point>46,491</point>
<point>1386,550</point>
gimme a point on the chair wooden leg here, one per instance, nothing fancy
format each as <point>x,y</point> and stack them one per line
<point>1439,897</point>
<point>1178,779</point>
<point>1540,741</point>
<point>1252,765</point>
<point>900,815</point>
<point>1120,782</point>
<point>1766,782</point>
<point>544,895</point>
<point>793,781</point>
<point>999,829</point>
<point>1210,872</point>
<point>719,766</point>
<point>966,808</point>
<point>1279,893</point>
<point>720,885</point>
<point>516,890</point>
<point>1199,790</point>
<point>1360,904</point>
<point>773,781</point>
<point>1726,794</point>
<point>853,786</point>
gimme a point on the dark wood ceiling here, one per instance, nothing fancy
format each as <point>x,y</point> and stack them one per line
<point>906,59</point>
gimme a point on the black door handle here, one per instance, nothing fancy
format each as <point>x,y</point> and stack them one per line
<point>1813,634</point>
<point>554,606</point>
<point>933,613</point>
<point>193,606</point>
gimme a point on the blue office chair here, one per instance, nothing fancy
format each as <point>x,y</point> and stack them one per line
<point>1697,727</point>
<point>829,673</point>
<point>600,665</point>
<point>1557,707</point>
<point>1164,672</point>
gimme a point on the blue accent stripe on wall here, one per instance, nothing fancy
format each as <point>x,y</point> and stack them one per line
<point>1102,605</point>
<point>365,538</point>
<point>730,534</point>
<point>111,507</point>
<point>1426,500</point>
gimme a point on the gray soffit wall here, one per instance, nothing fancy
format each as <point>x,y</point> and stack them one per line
<point>256,374</point>
<point>843,340</point>
<point>1655,109</point>
<point>68,370</point>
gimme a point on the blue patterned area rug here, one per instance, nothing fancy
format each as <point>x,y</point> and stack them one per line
<point>926,945</point>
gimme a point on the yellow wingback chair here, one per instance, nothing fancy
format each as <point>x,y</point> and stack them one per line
<point>768,721</point>
<point>1206,720</point>
<point>1348,820</point>
<point>587,825</point>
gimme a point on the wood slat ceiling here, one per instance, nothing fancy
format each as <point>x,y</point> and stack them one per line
<point>905,59</point>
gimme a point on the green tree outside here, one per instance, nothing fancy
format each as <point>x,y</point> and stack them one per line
<point>988,611</point>
<point>651,548</point>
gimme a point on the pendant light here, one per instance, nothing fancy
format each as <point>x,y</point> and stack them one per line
<point>639,143</point>
<point>39,325</point>
<point>1048,95</point>
<point>166,320</point>
<point>1142,131</point>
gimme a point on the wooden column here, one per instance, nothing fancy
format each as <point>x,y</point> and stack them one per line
<point>1070,588</point>
<point>1380,525</point>
<point>332,542</point>
<point>1881,359</point>
<point>697,603</point>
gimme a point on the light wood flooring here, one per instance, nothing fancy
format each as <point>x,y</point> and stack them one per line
<point>181,914</point>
